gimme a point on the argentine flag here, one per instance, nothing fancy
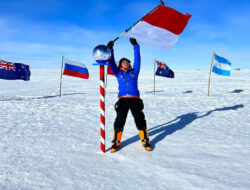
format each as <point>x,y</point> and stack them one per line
<point>221,66</point>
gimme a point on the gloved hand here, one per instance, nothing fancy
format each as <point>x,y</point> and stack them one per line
<point>110,45</point>
<point>133,41</point>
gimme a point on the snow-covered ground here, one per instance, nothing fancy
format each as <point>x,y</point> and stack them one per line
<point>199,142</point>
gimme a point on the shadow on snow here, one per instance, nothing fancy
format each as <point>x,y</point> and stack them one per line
<point>187,92</point>
<point>154,91</point>
<point>237,91</point>
<point>170,127</point>
<point>42,97</point>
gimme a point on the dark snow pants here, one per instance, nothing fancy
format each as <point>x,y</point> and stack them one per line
<point>135,105</point>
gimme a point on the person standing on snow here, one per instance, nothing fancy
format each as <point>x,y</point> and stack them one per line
<point>129,97</point>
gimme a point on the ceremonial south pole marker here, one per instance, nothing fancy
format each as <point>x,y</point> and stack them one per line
<point>101,55</point>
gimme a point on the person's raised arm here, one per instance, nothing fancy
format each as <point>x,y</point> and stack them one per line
<point>113,65</point>
<point>137,57</point>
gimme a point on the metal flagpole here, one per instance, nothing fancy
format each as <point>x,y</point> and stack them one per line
<point>210,72</point>
<point>162,3</point>
<point>154,76</point>
<point>61,78</point>
<point>102,107</point>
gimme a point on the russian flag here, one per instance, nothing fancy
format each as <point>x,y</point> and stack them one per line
<point>75,69</point>
<point>221,66</point>
<point>161,28</point>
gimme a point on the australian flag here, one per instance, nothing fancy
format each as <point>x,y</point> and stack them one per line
<point>14,71</point>
<point>163,70</point>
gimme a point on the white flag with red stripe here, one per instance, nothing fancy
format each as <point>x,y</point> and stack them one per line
<point>161,28</point>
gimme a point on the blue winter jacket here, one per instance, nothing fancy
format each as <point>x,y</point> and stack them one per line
<point>127,80</point>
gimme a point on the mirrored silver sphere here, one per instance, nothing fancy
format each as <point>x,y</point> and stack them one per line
<point>101,54</point>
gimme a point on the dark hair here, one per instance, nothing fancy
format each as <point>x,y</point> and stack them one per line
<point>121,60</point>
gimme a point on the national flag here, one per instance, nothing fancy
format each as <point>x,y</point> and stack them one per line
<point>161,28</point>
<point>221,66</point>
<point>75,69</point>
<point>163,70</point>
<point>14,71</point>
<point>109,71</point>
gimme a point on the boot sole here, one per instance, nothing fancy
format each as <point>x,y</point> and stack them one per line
<point>148,149</point>
<point>113,150</point>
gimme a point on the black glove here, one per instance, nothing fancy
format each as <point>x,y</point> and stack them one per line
<point>133,41</point>
<point>110,45</point>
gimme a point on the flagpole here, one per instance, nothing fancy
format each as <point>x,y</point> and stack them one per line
<point>61,78</point>
<point>154,76</point>
<point>162,3</point>
<point>210,72</point>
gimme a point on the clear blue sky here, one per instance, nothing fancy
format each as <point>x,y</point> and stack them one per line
<point>39,32</point>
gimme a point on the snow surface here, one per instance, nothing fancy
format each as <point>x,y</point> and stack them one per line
<point>199,142</point>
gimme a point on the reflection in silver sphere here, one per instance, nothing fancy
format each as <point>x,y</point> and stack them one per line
<point>101,54</point>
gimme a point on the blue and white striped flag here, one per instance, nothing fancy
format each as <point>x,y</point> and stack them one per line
<point>221,66</point>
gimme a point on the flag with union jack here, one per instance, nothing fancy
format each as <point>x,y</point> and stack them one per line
<point>163,70</point>
<point>14,71</point>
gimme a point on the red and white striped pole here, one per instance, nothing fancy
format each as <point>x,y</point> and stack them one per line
<point>102,107</point>
<point>101,55</point>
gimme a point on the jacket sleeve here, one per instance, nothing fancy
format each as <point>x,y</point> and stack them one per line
<point>112,63</point>
<point>137,59</point>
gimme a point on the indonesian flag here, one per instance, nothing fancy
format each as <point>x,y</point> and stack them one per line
<point>161,28</point>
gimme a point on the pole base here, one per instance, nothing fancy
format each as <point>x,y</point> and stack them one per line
<point>103,148</point>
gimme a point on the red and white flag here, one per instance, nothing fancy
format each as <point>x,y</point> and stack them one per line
<point>109,71</point>
<point>161,28</point>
